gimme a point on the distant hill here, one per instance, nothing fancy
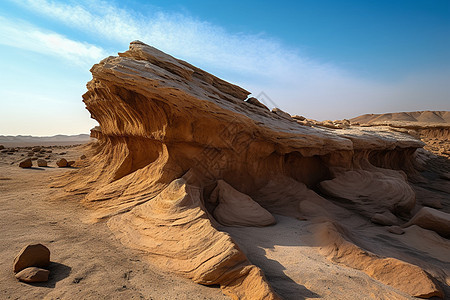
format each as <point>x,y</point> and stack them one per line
<point>416,116</point>
<point>28,140</point>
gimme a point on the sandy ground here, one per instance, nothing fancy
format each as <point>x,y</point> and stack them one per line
<point>288,255</point>
<point>87,261</point>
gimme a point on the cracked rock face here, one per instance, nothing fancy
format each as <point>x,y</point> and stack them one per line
<point>181,152</point>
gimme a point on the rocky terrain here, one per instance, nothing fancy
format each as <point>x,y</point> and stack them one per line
<point>432,127</point>
<point>210,185</point>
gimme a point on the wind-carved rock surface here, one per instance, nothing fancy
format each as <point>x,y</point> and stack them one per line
<point>180,153</point>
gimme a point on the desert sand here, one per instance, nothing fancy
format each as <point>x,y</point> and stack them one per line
<point>87,261</point>
<point>191,184</point>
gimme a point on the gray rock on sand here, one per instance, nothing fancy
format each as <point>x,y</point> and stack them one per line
<point>42,163</point>
<point>62,163</point>
<point>33,274</point>
<point>33,255</point>
<point>27,163</point>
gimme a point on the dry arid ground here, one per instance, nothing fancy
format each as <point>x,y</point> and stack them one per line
<point>88,262</point>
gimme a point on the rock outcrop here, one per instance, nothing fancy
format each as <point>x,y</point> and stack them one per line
<point>27,163</point>
<point>180,153</point>
<point>33,274</point>
<point>432,219</point>
<point>34,255</point>
<point>177,234</point>
<point>42,163</point>
<point>237,209</point>
<point>432,127</point>
<point>62,162</point>
<point>406,277</point>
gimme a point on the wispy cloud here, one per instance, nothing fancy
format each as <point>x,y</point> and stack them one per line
<point>293,80</point>
<point>178,34</point>
<point>20,34</point>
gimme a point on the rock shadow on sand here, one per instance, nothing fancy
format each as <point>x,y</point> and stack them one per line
<point>58,272</point>
<point>257,241</point>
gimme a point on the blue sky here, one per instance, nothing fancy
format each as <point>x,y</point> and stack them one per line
<point>321,59</point>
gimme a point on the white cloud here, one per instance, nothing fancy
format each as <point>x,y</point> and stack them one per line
<point>293,80</point>
<point>20,34</point>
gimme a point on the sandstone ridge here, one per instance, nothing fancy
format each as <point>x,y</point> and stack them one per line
<point>181,155</point>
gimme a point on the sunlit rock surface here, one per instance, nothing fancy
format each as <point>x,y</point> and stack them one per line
<point>181,155</point>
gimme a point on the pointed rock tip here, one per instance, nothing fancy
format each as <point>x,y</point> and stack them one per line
<point>138,42</point>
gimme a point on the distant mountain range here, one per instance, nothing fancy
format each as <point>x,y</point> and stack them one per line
<point>28,140</point>
<point>416,116</point>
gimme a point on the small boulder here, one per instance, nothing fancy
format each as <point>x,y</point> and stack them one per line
<point>33,274</point>
<point>27,163</point>
<point>70,163</point>
<point>396,230</point>
<point>2,147</point>
<point>61,163</point>
<point>34,255</point>
<point>385,219</point>
<point>36,149</point>
<point>83,156</point>
<point>30,153</point>
<point>432,219</point>
<point>42,163</point>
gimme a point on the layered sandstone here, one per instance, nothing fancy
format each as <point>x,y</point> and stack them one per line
<point>432,127</point>
<point>182,153</point>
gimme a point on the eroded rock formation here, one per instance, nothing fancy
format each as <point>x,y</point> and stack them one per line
<point>432,127</point>
<point>180,153</point>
